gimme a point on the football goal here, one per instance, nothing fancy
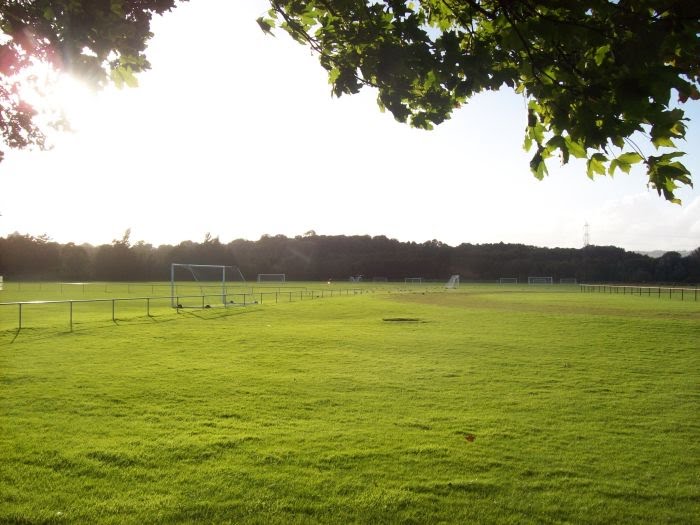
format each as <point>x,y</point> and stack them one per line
<point>452,283</point>
<point>413,280</point>
<point>205,285</point>
<point>508,280</point>
<point>272,277</point>
<point>568,280</point>
<point>540,280</point>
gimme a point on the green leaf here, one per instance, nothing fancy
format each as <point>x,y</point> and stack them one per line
<point>615,164</point>
<point>538,166</point>
<point>266,24</point>
<point>333,75</point>
<point>117,7</point>
<point>668,156</point>
<point>595,165</point>
<point>624,162</point>
<point>559,142</point>
<point>663,142</point>
<point>122,75</point>
<point>575,148</point>
<point>630,158</point>
<point>601,53</point>
<point>665,175</point>
<point>538,133</point>
<point>618,141</point>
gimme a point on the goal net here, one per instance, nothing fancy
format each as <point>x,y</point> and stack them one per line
<point>272,277</point>
<point>206,285</point>
<point>568,280</point>
<point>413,280</point>
<point>540,280</point>
<point>452,283</point>
<point>508,280</point>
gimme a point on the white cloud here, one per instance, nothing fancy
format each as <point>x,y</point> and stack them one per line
<point>644,222</point>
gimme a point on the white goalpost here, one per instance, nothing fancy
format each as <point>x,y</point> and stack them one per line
<point>272,277</point>
<point>204,285</point>
<point>508,280</point>
<point>452,283</point>
<point>540,280</point>
<point>413,280</point>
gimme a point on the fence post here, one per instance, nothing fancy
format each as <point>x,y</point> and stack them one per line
<point>113,319</point>
<point>20,317</point>
<point>148,307</point>
<point>71,315</point>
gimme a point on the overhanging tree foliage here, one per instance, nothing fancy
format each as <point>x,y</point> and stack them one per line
<point>598,74</point>
<point>97,40</point>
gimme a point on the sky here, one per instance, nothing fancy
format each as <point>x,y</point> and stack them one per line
<point>235,133</point>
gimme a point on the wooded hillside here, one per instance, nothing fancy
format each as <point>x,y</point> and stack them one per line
<point>319,257</point>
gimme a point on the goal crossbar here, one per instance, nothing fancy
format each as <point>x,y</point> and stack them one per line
<point>272,277</point>
<point>222,277</point>
<point>540,280</point>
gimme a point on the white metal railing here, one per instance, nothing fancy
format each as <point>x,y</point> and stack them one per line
<point>229,300</point>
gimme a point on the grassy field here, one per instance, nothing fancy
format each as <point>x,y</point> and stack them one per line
<point>488,405</point>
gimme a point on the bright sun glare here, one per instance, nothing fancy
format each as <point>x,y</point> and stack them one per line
<point>56,94</point>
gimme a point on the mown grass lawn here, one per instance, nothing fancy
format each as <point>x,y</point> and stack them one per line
<point>477,406</point>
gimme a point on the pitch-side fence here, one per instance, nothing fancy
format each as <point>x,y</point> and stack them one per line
<point>230,300</point>
<point>690,294</point>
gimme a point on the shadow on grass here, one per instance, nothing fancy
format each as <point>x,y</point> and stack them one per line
<point>80,328</point>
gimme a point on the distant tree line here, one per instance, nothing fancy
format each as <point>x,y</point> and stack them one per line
<point>319,257</point>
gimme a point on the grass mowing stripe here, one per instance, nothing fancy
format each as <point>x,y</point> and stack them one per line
<point>321,411</point>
